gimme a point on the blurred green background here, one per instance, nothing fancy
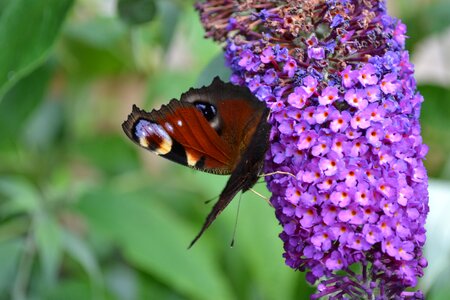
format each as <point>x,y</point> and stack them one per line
<point>85,214</point>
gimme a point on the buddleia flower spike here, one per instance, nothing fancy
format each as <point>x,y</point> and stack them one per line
<point>345,120</point>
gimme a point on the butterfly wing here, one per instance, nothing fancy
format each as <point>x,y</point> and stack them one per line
<point>219,129</point>
<point>243,126</point>
<point>179,132</point>
<point>238,113</point>
<point>245,175</point>
<point>208,129</point>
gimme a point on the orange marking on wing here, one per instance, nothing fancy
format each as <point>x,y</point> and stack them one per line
<point>199,139</point>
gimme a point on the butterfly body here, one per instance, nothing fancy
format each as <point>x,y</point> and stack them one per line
<point>219,129</point>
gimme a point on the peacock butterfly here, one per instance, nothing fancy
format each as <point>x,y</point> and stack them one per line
<point>219,129</point>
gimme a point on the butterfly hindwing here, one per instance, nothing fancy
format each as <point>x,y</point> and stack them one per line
<point>244,176</point>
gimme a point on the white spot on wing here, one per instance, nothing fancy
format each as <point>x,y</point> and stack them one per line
<point>179,123</point>
<point>169,127</point>
<point>215,123</point>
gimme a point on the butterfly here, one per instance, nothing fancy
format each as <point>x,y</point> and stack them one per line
<point>220,129</point>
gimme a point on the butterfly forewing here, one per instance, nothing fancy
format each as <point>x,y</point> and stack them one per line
<point>179,133</point>
<point>238,113</point>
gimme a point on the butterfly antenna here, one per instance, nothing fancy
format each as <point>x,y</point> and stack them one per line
<point>236,222</point>
<point>261,196</point>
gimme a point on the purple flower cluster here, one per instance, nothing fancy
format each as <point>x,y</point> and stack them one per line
<point>345,122</point>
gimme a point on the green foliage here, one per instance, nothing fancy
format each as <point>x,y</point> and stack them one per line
<point>435,120</point>
<point>424,19</point>
<point>162,250</point>
<point>27,31</point>
<point>135,12</point>
<point>84,214</point>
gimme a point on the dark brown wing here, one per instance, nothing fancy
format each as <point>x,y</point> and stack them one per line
<point>245,175</point>
<point>238,113</point>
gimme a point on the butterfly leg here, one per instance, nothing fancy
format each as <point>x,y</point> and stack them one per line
<point>279,173</point>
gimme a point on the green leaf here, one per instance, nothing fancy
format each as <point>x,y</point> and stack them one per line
<point>257,240</point>
<point>122,280</point>
<point>68,289</point>
<point>156,241</point>
<point>98,32</point>
<point>437,16</point>
<point>203,50</point>
<point>18,105</point>
<point>215,68</point>
<point>49,244</point>
<point>136,12</point>
<point>169,13</point>
<point>27,31</point>
<point>9,259</point>
<point>81,252</point>
<point>21,100</point>
<point>167,85</point>
<point>423,19</point>
<point>436,108</point>
<point>3,5</point>
<point>435,124</point>
<point>93,148</point>
<point>95,47</point>
<point>44,126</point>
<point>151,289</point>
<point>440,289</point>
<point>23,196</point>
